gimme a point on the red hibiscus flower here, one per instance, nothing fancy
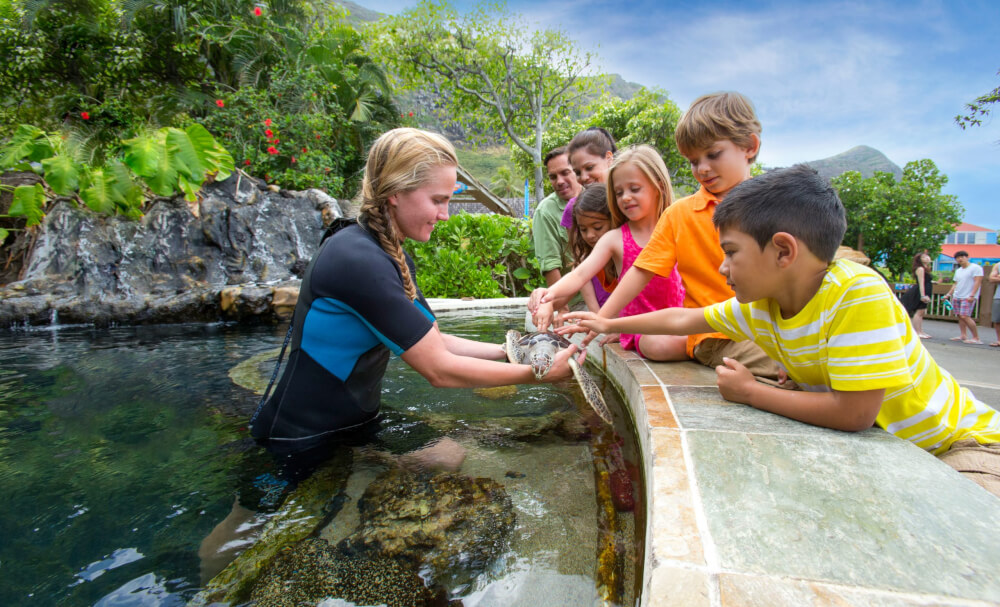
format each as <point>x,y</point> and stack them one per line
<point>269,133</point>
<point>247,162</point>
<point>257,11</point>
<point>272,150</point>
<point>411,114</point>
<point>220,103</point>
<point>267,122</point>
<point>85,115</point>
<point>293,160</point>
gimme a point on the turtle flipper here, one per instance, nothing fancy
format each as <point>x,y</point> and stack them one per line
<point>514,353</point>
<point>591,393</point>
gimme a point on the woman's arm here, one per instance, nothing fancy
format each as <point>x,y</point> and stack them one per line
<point>919,275</point>
<point>444,369</point>
<point>476,349</point>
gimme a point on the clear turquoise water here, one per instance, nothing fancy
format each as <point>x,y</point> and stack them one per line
<point>120,449</point>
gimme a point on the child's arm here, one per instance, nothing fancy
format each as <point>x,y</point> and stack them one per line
<point>840,410</point>
<point>669,321</point>
<point>589,296</point>
<point>559,294</point>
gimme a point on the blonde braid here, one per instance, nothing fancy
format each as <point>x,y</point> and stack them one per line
<point>399,161</point>
<point>382,227</point>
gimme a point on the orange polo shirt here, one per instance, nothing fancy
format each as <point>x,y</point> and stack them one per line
<point>685,236</point>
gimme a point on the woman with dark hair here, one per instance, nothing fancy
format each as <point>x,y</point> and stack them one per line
<point>917,297</point>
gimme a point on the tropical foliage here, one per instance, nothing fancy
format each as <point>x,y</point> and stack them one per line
<point>979,108</point>
<point>102,72</point>
<point>481,256</point>
<point>500,75</point>
<point>891,220</point>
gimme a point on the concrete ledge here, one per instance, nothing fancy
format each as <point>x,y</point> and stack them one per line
<point>750,508</point>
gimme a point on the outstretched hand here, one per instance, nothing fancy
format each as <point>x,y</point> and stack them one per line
<point>735,381</point>
<point>560,365</point>
<point>584,322</point>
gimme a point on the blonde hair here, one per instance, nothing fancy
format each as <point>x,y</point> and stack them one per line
<point>399,161</point>
<point>651,164</point>
<point>715,117</point>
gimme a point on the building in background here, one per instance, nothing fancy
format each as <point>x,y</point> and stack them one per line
<point>979,242</point>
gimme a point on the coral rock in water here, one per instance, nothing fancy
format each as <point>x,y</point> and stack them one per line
<point>446,521</point>
<point>312,570</point>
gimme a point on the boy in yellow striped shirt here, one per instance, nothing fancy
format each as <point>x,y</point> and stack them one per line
<point>834,326</point>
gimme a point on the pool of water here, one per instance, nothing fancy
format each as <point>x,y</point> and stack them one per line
<point>121,449</point>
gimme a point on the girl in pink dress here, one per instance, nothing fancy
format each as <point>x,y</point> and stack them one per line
<point>638,191</point>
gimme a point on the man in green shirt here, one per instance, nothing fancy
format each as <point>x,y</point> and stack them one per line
<point>551,239</point>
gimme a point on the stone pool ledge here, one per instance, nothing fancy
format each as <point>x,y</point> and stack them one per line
<point>753,509</point>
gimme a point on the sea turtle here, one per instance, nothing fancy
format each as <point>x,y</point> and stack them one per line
<point>539,350</point>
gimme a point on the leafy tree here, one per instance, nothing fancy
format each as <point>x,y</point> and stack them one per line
<point>892,221</point>
<point>504,183</point>
<point>501,75</point>
<point>649,117</point>
<point>979,108</point>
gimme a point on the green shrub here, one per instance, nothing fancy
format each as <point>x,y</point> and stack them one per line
<point>482,256</point>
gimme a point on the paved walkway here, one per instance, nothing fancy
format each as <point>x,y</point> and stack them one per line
<point>976,367</point>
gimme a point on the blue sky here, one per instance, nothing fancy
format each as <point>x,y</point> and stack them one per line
<point>824,76</point>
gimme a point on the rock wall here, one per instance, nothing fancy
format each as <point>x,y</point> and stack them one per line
<point>240,258</point>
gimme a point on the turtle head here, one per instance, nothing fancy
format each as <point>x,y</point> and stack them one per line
<point>540,363</point>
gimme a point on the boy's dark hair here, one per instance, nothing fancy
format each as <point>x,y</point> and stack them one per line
<point>594,200</point>
<point>716,117</point>
<point>559,151</point>
<point>794,200</point>
<point>594,140</point>
<point>960,254</point>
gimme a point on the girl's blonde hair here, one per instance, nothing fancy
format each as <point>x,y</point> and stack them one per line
<point>649,162</point>
<point>401,160</point>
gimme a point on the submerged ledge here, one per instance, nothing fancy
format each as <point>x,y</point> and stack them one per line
<point>753,509</point>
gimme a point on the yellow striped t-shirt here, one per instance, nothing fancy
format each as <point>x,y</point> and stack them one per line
<point>855,335</point>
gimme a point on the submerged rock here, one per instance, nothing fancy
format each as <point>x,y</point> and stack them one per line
<point>312,571</point>
<point>444,521</point>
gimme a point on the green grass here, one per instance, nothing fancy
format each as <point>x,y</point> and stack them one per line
<point>484,162</point>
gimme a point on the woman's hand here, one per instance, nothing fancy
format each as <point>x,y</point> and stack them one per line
<point>560,369</point>
<point>925,299</point>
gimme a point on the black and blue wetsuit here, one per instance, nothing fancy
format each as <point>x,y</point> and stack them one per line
<point>351,313</point>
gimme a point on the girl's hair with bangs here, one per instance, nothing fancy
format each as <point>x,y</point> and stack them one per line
<point>651,164</point>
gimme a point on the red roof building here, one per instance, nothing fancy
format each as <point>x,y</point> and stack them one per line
<point>979,242</point>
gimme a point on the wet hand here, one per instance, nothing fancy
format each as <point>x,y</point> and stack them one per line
<point>560,366</point>
<point>735,382</point>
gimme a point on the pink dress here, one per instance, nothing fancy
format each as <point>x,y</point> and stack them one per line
<point>659,293</point>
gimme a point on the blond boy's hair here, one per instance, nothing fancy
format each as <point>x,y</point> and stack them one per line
<point>714,117</point>
<point>651,164</point>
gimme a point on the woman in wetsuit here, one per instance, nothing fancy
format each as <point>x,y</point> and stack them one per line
<point>359,301</point>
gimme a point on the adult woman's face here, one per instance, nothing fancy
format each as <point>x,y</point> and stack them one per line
<point>590,168</point>
<point>417,211</point>
<point>926,260</point>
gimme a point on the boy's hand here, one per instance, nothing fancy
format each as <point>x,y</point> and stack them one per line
<point>578,322</point>
<point>735,382</point>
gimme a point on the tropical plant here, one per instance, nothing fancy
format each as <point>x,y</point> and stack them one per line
<point>481,256</point>
<point>166,161</point>
<point>504,183</point>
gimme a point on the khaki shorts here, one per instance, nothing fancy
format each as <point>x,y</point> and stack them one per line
<point>711,351</point>
<point>978,463</point>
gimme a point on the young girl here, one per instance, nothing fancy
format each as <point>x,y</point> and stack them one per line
<point>591,220</point>
<point>638,192</point>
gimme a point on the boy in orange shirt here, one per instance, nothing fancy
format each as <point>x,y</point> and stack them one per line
<point>720,137</point>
